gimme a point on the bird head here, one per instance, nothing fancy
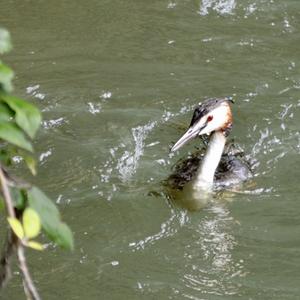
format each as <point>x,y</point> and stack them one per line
<point>209,116</point>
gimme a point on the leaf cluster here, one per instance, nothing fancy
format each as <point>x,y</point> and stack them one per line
<point>19,119</point>
<point>19,123</point>
<point>34,198</point>
<point>28,229</point>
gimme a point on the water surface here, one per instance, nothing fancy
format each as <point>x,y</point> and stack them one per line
<point>117,82</point>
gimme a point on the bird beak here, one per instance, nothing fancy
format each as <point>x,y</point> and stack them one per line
<point>191,133</point>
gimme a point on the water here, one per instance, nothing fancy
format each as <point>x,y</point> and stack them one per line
<point>117,82</point>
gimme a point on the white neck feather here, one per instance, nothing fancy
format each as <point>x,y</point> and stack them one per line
<point>205,176</point>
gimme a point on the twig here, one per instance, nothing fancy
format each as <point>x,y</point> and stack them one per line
<point>6,194</point>
<point>29,287</point>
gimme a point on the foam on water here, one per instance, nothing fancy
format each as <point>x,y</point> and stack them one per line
<point>220,6</point>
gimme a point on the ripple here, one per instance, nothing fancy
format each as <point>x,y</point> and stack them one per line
<point>49,124</point>
<point>213,245</point>
<point>171,5</point>
<point>123,159</point>
<point>167,229</point>
<point>220,6</point>
<point>34,91</point>
<point>94,108</point>
<point>250,9</point>
<point>43,156</point>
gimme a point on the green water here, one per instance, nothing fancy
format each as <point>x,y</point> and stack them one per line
<point>116,81</point>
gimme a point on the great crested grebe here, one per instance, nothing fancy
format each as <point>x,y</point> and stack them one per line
<point>196,176</point>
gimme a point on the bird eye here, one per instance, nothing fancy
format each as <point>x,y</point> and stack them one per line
<point>209,118</point>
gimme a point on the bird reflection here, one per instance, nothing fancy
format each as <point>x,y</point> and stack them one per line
<point>210,266</point>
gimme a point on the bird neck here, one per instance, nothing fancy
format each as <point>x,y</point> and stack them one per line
<point>205,176</point>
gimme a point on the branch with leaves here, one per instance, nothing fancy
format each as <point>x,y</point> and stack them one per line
<point>27,209</point>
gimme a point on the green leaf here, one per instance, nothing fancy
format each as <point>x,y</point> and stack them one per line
<point>6,114</point>
<point>28,117</point>
<point>35,245</point>
<point>65,236</point>
<point>31,223</point>
<point>31,163</point>
<point>13,134</point>
<point>18,197</point>
<point>5,42</point>
<point>16,226</point>
<point>50,218</point>
<point>43,206</point>
<point>5,157</point>
<point>6,76</point>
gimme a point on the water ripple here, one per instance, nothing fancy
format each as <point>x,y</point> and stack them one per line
<point>123,159</point>
<point>34,91</point>
<point>167,229</point>
<point>220,6</point>
<point>213,245</point>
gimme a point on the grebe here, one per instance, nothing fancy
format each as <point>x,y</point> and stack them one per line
<point>221,166</point>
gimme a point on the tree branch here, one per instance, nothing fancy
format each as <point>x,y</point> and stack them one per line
<point>6,194</point>
<point>29,287</point>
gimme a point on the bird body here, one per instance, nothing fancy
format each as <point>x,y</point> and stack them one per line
<point>197,176</point>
